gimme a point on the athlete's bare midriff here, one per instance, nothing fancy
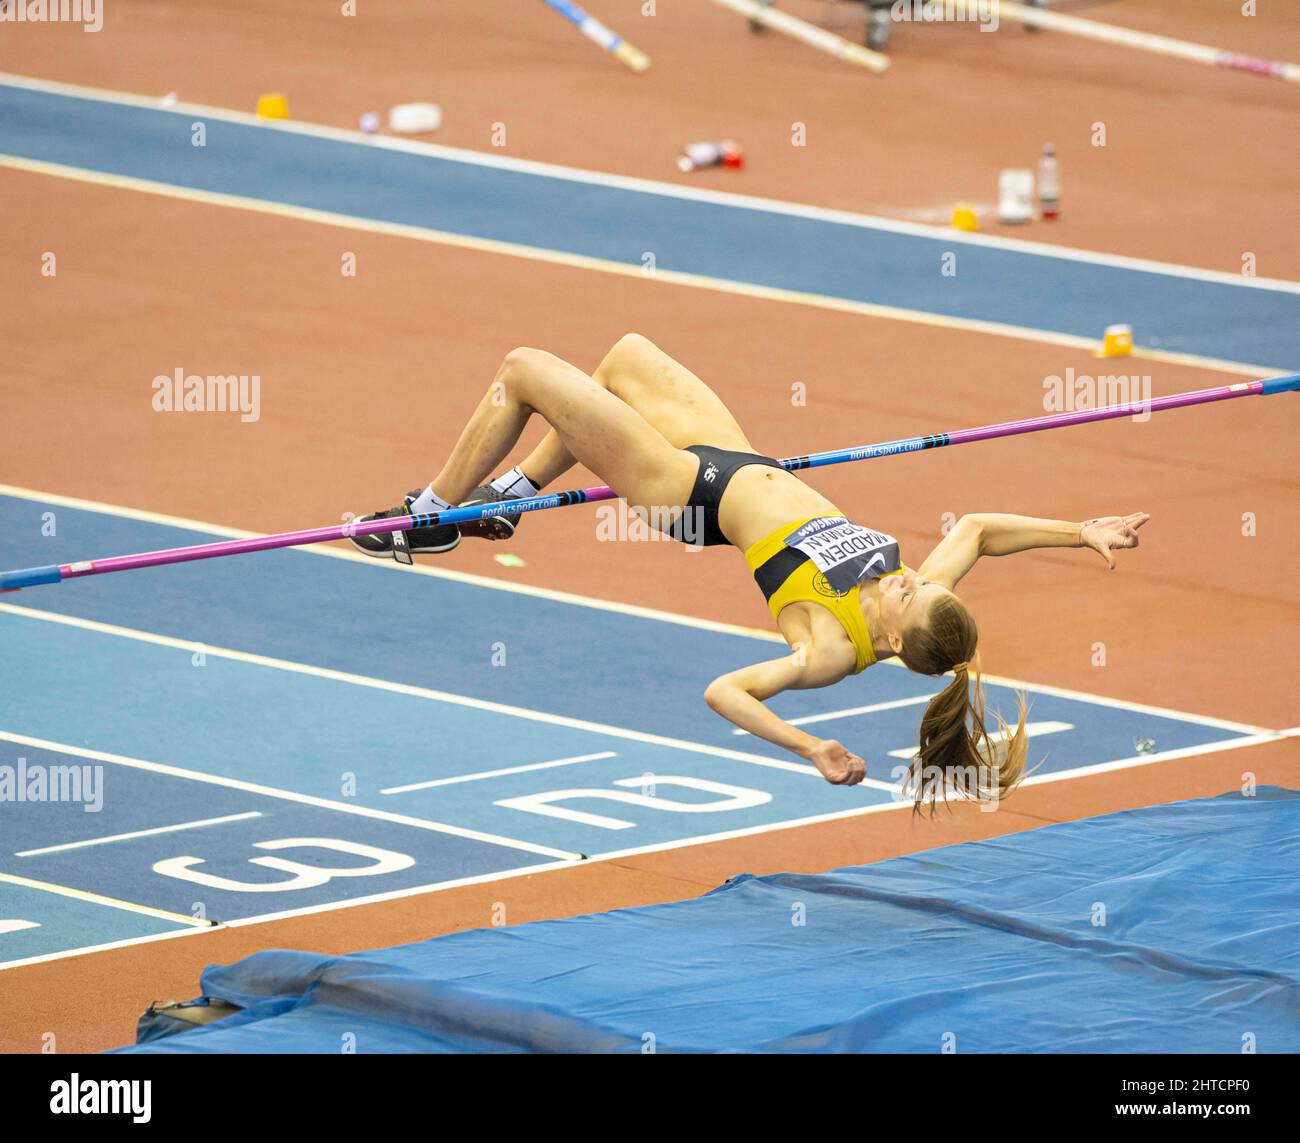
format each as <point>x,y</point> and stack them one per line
<point>759,500</point>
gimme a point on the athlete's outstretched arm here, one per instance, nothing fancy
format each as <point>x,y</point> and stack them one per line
<point>738,697</point>
<point>999,534</point>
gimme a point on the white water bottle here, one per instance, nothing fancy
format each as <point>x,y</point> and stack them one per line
<point>1049,183</point>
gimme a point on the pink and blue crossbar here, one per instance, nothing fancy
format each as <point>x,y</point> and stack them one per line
<point>56,573</point>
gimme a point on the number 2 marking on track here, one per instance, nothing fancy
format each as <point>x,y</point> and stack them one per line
<point>733,798</point>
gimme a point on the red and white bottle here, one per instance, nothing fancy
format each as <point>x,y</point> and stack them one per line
<point>1049,183</point>
<point>697,155</point>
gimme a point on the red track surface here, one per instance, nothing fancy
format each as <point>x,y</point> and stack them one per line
<point>366,380</point>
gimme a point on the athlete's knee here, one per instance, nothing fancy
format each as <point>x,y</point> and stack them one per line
<point>517,368</point>
<point>626,358</point>
<point>634,343</point>
<point>631,348</point>
<point>520,360</point>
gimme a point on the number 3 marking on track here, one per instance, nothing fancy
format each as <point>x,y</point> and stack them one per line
<point>733,798</point>
<point>304,876</point>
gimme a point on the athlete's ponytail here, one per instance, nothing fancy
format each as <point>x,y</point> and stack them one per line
<point>956,751</point>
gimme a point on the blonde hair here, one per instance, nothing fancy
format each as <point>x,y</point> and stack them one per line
<point>955,750</point>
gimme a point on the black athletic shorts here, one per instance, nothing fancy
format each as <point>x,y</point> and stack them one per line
<point>699,523</point>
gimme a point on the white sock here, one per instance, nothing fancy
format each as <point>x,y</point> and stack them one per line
<point>429,501</point>
<point>515,485</point>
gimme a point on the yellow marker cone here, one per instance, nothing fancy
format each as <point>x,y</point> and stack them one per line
<point>272,106</point>
<point>1117,341</point>
<point>964,217</point>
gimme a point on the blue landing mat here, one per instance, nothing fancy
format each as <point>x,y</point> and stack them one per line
<point>1173,928</point>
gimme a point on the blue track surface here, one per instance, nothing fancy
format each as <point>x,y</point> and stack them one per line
<point>1125,933</point>
<point>759,247</point>
<point>368,678</point>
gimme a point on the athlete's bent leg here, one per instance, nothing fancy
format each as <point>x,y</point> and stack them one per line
<point>669,397</point>
<point>593,426</point>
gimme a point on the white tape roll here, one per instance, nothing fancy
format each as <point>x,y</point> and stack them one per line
<point>414,118</point>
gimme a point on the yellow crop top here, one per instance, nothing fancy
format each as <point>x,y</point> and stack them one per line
<point>786,576</point>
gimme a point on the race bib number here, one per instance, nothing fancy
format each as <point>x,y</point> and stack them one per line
<point>845,553</point>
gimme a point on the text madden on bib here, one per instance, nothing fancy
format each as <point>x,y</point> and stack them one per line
<point>845,553</point>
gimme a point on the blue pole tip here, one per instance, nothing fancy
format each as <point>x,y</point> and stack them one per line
<point>1281,384</point>
<point>29,577</point>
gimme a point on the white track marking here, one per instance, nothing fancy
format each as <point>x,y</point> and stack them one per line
<point>138,833</point>
<point>664,276</point>
<point>411,691</point>
<point>1162,756</point>
<point>282,795</point>
<point>100,899</point>
<point>849,712</point>
<point>730,798</point>
<point>498,773</point>
<point>1035,730</point>
<point>393,895</point>
<point>647,186</point>
<point>17,926</point>
<point>124,943</point>
<point>1121,704</point>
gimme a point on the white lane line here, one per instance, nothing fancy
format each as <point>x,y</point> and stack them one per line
<point>850,712</point>
<point>648,186</point>
<point>188,645</point>
<point>106,946</point>
<point>138,833</point>
<point>1118,704</point>
<point>1033,729</point>
<point>305,911</point>
<point>663,276</point>
<point>498,773</point>
<point>17,926</point>
<point>283,795</point>
<point>100,899</point>
<point>1164,756</point>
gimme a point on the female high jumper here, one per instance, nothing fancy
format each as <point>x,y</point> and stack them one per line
<point>840,594</point>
